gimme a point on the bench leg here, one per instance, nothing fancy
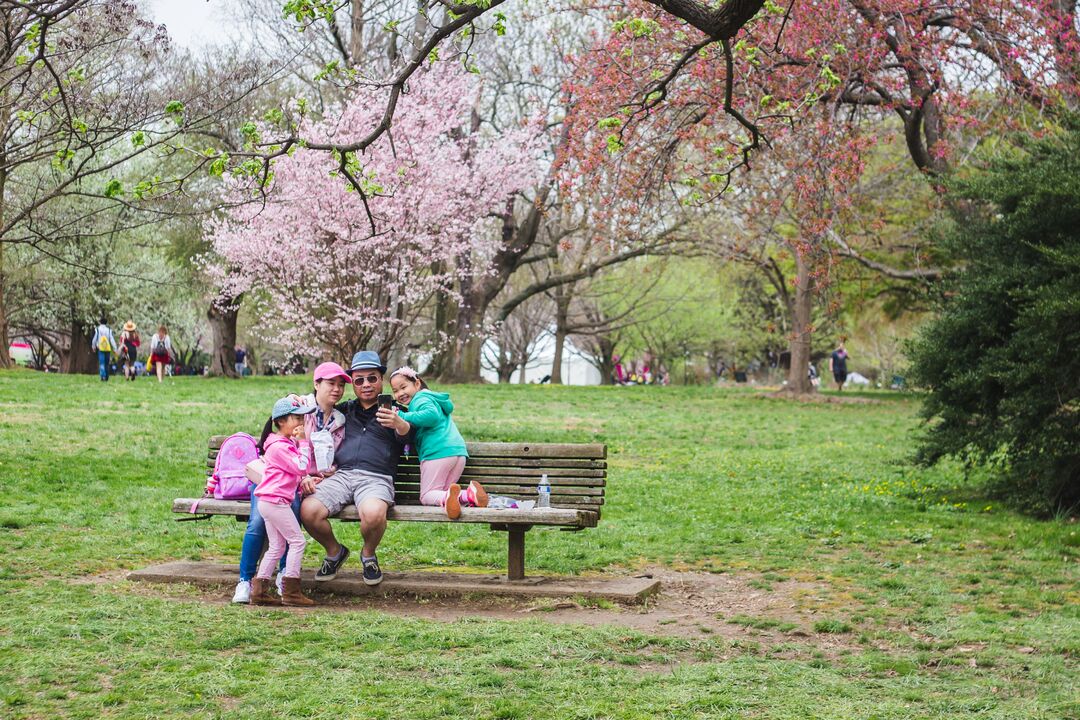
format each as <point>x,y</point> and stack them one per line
<point>515,559</point>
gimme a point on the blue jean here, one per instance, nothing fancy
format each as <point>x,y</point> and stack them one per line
<point>103,364</point>
<point>255,538</point>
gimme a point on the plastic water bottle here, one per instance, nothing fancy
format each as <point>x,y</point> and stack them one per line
<point>543,492</point>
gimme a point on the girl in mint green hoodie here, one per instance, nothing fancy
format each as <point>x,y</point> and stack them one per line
<point>438,444</point>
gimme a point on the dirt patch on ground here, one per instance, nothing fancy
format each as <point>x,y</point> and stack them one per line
<point>819,398</point>
<point>779,617</point>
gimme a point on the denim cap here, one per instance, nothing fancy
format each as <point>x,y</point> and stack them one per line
<point>286,406</point>
<point>367,360</point>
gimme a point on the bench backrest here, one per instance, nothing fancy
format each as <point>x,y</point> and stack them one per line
<point>577,472</point>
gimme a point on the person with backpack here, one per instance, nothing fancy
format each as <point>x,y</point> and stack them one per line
<point>287,454</point>
<point>161,351</point>
<point>838,365</point>
<point>241,358</point>
<point>325,429</point>
<point>129,343</point>
<point>105,344</point>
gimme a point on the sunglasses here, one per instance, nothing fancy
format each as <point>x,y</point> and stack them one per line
<point>370,380</point>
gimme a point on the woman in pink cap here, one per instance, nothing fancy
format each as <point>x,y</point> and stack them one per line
<point>324,429</point>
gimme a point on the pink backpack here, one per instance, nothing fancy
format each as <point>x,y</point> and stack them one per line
<point>229,481</point>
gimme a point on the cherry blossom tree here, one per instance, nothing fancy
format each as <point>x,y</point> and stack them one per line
<point>331,267</point>
<point>801,93</point>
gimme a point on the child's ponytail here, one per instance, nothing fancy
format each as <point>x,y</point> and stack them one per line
<point>267,429</point>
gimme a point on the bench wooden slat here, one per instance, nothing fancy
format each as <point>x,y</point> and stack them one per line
<point>559,451</point>
<point>538,450</point>
<point>564,517</point>
<point>412,497</point>
<point>512,489</point>
<point>541,464</point>
<point>515,472</point>
<point>572,475</point>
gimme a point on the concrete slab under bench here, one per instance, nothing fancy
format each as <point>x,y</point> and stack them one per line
<point>630,590</point>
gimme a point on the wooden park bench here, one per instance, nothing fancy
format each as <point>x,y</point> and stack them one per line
<point>577,473</point>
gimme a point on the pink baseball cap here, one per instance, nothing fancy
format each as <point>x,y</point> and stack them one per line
<point>331,370</point>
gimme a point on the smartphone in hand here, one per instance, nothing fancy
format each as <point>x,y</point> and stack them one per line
<point>386,400</point>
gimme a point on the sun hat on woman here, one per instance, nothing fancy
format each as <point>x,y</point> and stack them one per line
<point>129,326</point>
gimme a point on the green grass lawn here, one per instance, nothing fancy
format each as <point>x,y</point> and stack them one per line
<point>950,604</point>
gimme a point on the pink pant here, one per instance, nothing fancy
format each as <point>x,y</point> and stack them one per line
<point>281,529</point>
<point>436,477</point>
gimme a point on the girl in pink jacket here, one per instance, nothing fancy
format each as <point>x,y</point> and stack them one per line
<point>287,454</point>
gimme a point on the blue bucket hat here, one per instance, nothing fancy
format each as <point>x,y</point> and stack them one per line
<point>285,406</point>
<point>367,360</point>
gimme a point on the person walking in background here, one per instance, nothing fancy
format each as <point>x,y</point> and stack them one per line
<point>619,371</point>
<point>161,351</point>
<point>241,357</point>
<point>129,339</point>
<point>105,344</point>
<point>838,365</point>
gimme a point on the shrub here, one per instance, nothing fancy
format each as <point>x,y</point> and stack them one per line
<point>1002,359</point>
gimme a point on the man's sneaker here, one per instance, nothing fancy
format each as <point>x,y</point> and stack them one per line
<point>243,592</point>
<point>277,582</point>
<point>329,569</point>
<point>372,573</point>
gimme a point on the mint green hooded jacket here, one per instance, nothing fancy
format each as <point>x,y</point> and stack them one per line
<point>436,434</point>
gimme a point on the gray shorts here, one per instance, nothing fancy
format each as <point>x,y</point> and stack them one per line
<point>352,487</point>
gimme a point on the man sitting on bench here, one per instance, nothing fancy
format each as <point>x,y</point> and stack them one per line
<point>366,463</point>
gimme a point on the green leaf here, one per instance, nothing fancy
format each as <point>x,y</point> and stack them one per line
<point>175,110</point>
<point>217,168</point>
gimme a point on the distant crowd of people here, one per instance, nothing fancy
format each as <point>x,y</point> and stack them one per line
<point>638,372</point>
<point>123,354</point>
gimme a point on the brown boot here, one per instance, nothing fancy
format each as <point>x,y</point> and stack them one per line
<point>291,595</point>
<point>260,593</point>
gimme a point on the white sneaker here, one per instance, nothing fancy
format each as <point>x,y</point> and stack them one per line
<point>243,592</point>
<point>277,581</point>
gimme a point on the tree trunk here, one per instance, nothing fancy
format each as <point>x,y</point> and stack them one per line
<point>606,362</point>
<point>441,359</point>
<point>562,310</point>
<point>477,294</point>
<point>506,372</point>
<point>222,315</point>
<point>801,309</point>
<point>468,368</point>
<point>5,341</point>
<point>460,362</point>
<point>356,34</point>
<point>81,356</point>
